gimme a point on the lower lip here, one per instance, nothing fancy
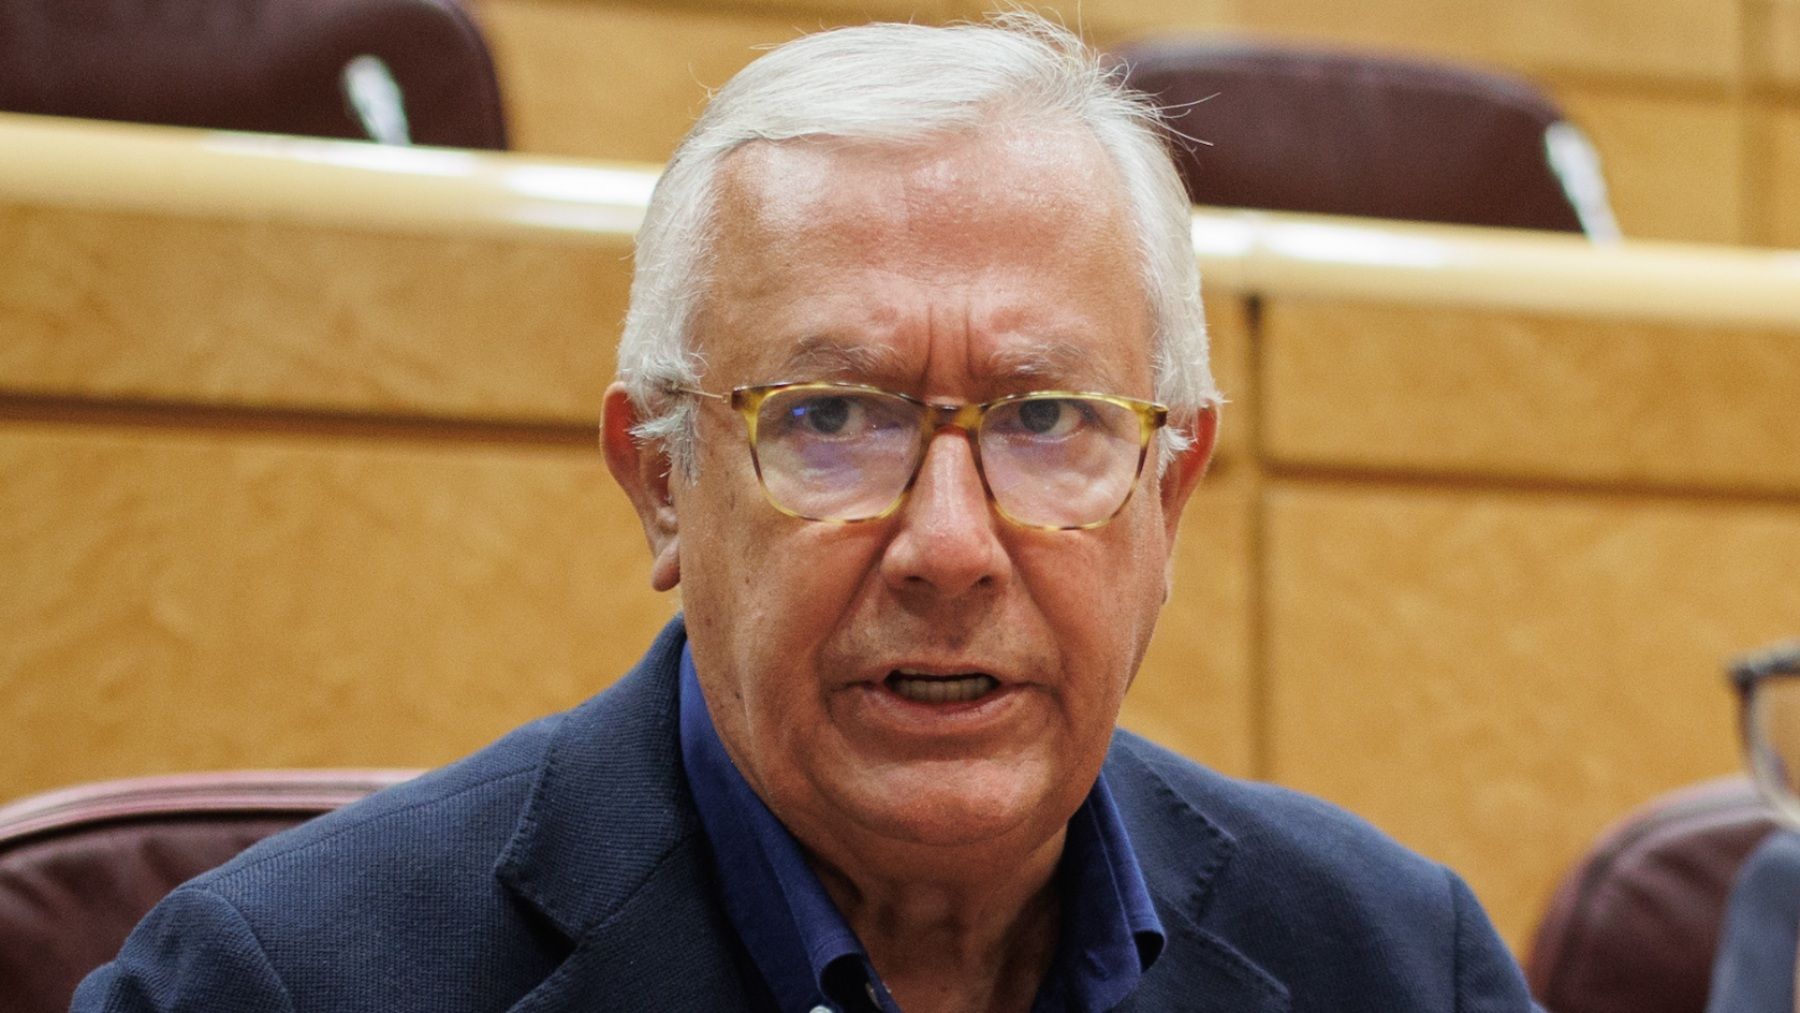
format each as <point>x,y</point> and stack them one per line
<point>884,708</point>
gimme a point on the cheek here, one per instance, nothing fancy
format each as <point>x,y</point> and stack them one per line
<point>762,592</point>
<point>720,565</point>
<point>1100,599</point>
<point>787,590</point>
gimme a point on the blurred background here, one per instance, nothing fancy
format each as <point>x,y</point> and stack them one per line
<point>1695,107</point>
<point>297,461</point>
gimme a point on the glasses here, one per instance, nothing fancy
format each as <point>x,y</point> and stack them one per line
<point>844,452</point>
<point>1768,684</point>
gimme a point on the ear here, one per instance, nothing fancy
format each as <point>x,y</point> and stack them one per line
<point>642,470</point>
<point>1182,477</point>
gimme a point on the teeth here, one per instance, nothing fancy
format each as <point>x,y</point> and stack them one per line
<point>941,689</point>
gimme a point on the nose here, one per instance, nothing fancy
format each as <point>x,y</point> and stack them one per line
<point>947,537</point>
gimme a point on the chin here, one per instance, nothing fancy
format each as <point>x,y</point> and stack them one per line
<point>954,808</point>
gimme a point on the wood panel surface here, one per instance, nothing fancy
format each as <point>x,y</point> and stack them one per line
<point>1197,689</point>
<point>1672,39</point>
<point>1676,165</point>
<point>845,10</point>
<point>1774,32</point>
<point>1494,678</point>
<point>188,601</point>
<point>619,81</point>
<point>1783,179</point>
<point>1466,392</point>
<point>135,306</point>
<point>1228,323</point>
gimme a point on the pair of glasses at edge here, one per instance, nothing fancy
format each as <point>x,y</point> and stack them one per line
<point>845,452</point>
<point>1768,685</point>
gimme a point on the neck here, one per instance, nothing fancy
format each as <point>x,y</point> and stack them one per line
<point>959,938</point>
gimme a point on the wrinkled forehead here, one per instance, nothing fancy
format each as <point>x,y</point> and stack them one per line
<point>1025,227</point>
<point>1027,178</point>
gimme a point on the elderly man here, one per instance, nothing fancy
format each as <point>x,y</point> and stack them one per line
<point>913,390</point>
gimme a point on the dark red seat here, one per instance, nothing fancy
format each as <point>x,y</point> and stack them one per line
<point>1634,926</point>
<point>1287,128</point>
<point>80,866</point>
<point>267,65</point>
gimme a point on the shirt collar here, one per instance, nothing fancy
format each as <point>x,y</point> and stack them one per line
<point>806,951</point>
<point>1110,932</point>
<point>792,931</point>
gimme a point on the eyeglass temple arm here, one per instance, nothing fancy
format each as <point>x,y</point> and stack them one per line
<point>675,388</point>
<point>1779,659</point>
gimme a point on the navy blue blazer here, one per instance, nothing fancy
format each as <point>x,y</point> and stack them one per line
<point>1753,970</point>
<point>564,868</point>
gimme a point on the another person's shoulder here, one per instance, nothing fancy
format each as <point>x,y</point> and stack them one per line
<point>1753,971</point>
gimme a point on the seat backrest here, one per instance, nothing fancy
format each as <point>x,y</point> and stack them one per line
<point>267,65</point>
<point>80,866</point>
<point>1285,128</point>
<point>1634,926</point>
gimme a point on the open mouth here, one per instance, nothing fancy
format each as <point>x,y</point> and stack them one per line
<point>922,688</point>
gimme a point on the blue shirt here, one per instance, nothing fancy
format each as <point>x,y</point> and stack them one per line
<point>806,952</point>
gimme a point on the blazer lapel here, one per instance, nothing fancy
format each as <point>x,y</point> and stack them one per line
<point>1181,852</point>
<point>666,948</point>
<point>610,851</point>
<point>1200,973</point>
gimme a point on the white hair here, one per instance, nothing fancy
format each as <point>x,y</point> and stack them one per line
<point>908,84</point>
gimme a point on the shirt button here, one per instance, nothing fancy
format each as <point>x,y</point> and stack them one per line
<point>869,987</point>
<point>821,1009</point>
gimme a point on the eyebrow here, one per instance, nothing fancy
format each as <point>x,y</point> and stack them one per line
<point>817,355</point>
<point>1052,363</point>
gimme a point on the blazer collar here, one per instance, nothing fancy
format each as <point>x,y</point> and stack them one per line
<point>609,849</point>
<point>609,804</point>
<point>1182,853</point>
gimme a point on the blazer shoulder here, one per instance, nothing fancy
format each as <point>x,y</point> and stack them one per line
<point>380,884</point>
<point>463,889</point>
<point>1266,824</point>
<point>1318,897</point>
<point>451,809</point>
<point>473,807</point>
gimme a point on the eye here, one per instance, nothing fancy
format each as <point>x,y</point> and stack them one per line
<point>827,416</point>
<point>1043,416</point>
<point>836,416</point>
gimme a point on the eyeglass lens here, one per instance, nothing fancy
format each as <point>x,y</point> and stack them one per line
<point>847,454</point>
<point>1774,741</point>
